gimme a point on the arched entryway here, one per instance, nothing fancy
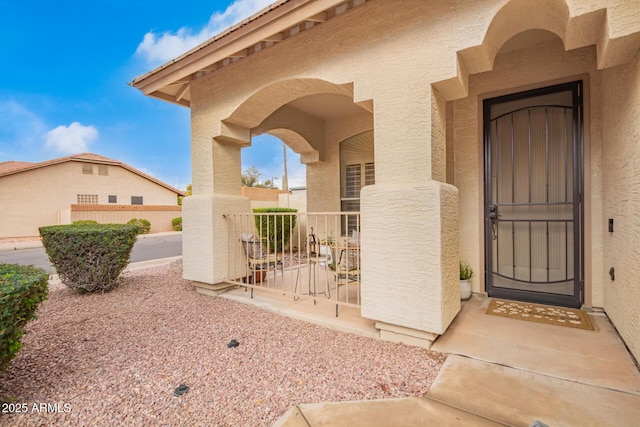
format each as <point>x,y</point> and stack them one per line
<point>528,50</point>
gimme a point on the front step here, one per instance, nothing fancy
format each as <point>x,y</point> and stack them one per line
<point>516,397</point>
<point>410,412</point>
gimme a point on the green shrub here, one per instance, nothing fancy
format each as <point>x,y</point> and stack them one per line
<point>89,258</point>
<point>84,222</point>
<point>143,225</point>
<point>275,228</point>
<point>466,272</point>
<point>177,223</point>
<point>22,288</point>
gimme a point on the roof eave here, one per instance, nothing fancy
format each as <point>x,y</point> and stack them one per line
<point>261,26</point>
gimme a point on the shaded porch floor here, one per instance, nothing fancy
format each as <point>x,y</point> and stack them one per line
<point>322,312</point>
<point>499,372</point>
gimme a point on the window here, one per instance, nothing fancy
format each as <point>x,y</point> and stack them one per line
<point>103,170</point>
<point>136,200</point>
<point>357,169</point>
<point>369,173</point>
<point>87,199</point>
<point>87,169</point>
<point>113,199</point>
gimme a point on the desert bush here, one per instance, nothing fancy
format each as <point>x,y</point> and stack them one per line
<point>89,258</point>
<point>176,223</point>
<point>84,222</point>
<point>275,228</point>
<point>143,225</point>
<point>22,288</point>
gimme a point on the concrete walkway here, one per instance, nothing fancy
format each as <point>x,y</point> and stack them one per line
<point>507,372</point>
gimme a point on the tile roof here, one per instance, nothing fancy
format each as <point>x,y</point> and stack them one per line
<point>12,167</point>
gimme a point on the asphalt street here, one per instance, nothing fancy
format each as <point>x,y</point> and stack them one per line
<point>148,248</point>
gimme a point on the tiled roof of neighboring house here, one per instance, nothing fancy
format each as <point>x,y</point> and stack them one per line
<point>13,167</point>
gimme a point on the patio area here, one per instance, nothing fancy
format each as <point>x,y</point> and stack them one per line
<point>300,258</point>
<point>323,309</point>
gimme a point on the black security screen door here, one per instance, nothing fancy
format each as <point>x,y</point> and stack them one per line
<point>533,195</point>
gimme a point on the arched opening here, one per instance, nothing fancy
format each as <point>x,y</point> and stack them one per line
<point>311,117</point>
<point>276,161</point>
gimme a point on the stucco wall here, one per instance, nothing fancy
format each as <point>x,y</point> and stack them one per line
<point>621,199</point>
<point>401,58</point>
<point>514,71</point>
<point>36,198</point>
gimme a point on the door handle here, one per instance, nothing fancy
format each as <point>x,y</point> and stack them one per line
<point>493,212</point>
<point>493,217</point>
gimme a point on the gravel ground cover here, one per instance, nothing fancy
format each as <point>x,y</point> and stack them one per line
<point>116,359</point>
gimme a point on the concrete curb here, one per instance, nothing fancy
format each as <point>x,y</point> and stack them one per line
<point>14,246</point>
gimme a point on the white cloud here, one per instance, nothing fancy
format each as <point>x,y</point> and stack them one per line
<point>158,48</point>
<point>71,139</point>
<point>296,174</point>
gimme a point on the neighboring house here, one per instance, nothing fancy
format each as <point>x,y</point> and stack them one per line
<point>502,132</point>
<point>46,193</point>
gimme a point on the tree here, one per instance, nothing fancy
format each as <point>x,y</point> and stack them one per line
<point>250,177</point>
<point>268,184</point>
<point>189,193</point>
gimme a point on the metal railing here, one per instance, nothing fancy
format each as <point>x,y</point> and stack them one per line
<point>304,255</point>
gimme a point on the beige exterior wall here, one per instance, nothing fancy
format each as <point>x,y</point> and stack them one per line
<point>294,199</point>
<point>621,199</point>
<point>159,216</point>
<point>42,196</point>
<point>418,70</point>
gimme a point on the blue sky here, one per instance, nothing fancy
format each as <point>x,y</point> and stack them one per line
<point>64,74</point>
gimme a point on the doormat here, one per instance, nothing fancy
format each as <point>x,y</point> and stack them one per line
<point>550,315</point>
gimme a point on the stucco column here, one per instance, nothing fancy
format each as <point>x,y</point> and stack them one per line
<point>216,170</point>
<point>409,239</point>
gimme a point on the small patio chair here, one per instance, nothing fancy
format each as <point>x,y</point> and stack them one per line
<point>347,269</point>
<point>259,260</point>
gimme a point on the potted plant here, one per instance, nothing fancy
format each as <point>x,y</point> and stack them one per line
<point>326,250</point>
<point>466,273</point>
